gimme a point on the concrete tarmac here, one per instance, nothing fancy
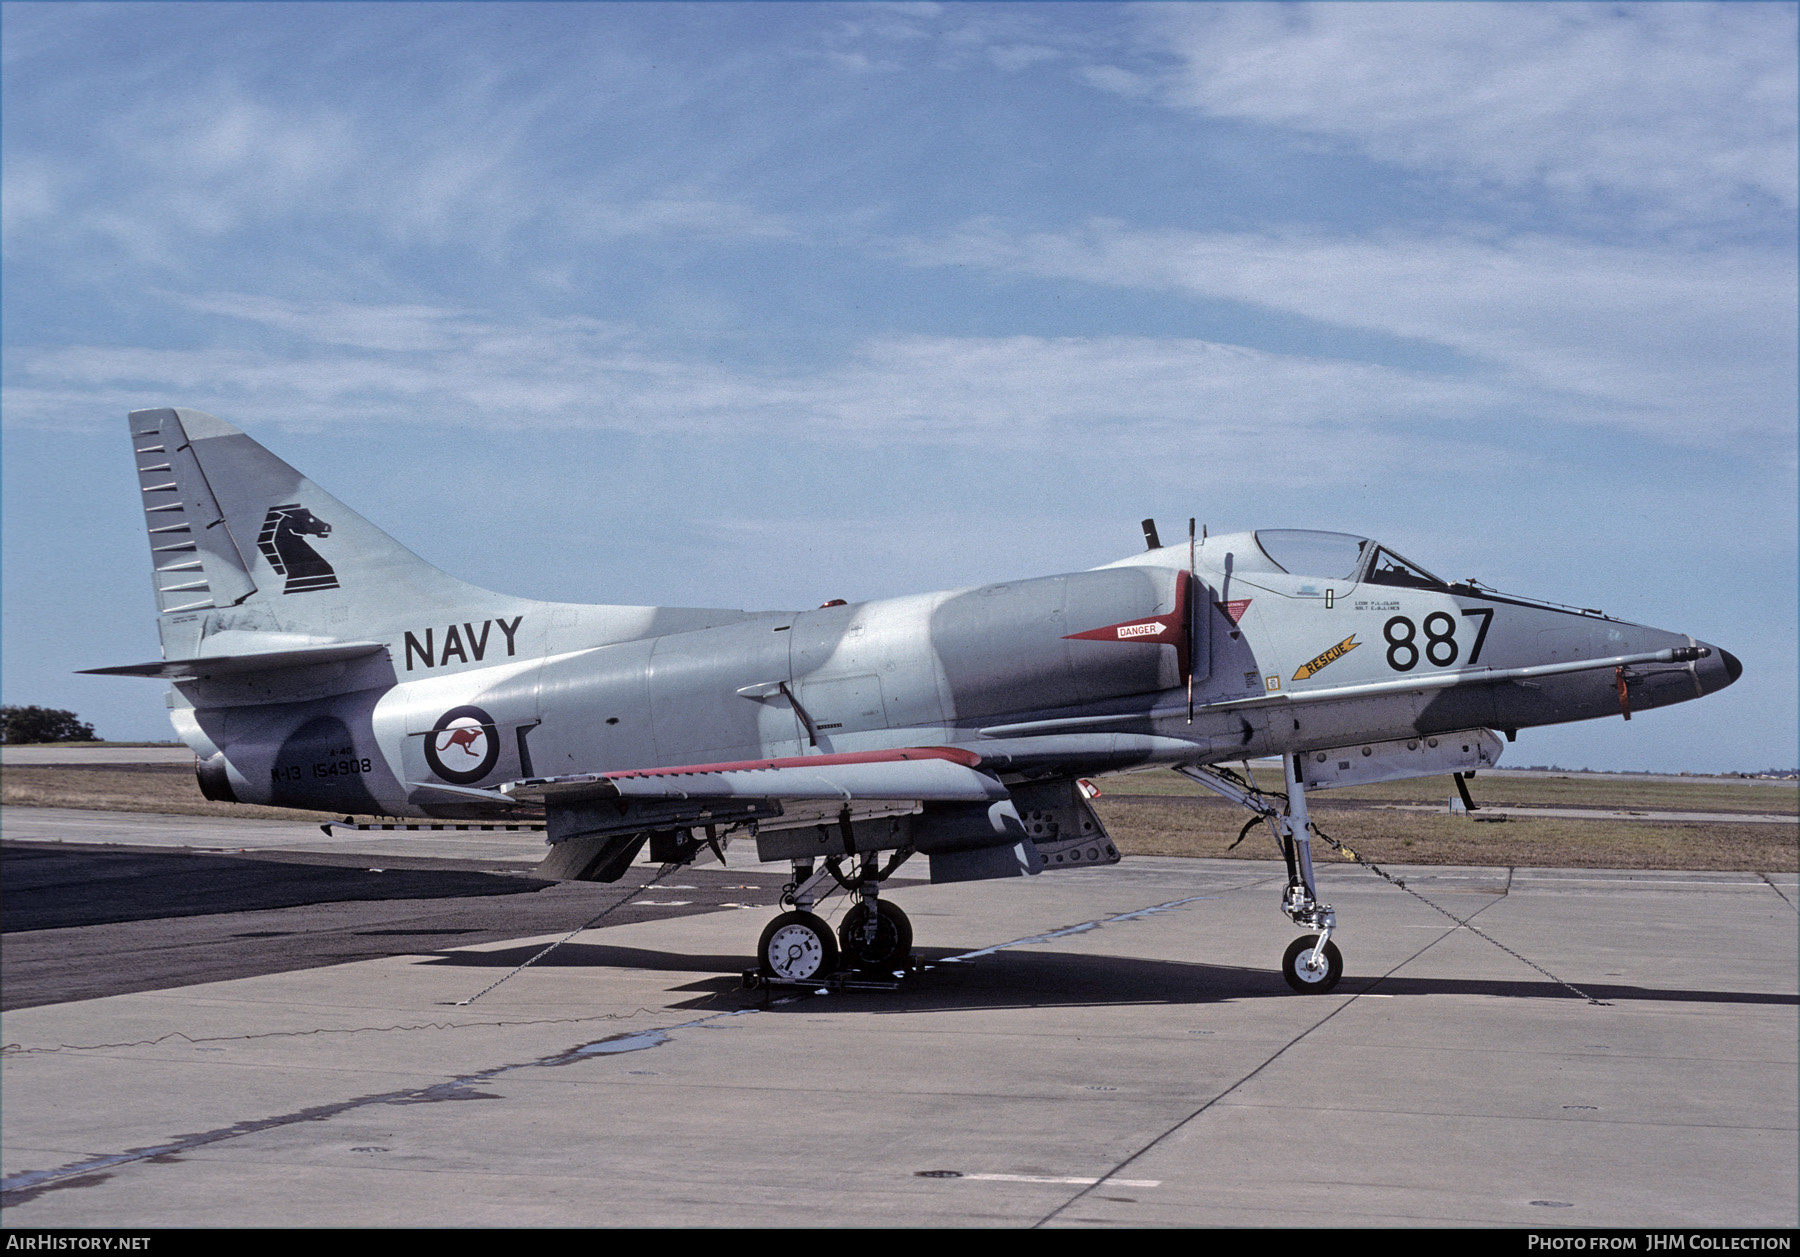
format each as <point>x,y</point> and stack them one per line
<point>1108,1047</point>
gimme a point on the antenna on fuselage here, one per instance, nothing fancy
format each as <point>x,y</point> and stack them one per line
<point>1188,628</point>
<point>1151,540</point>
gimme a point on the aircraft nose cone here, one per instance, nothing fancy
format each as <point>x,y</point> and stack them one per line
<point>1717,670</point>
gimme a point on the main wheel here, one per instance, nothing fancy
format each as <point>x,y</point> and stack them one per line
<point>893,936</point>
<point>1303,969</point>
<point>797,946</point>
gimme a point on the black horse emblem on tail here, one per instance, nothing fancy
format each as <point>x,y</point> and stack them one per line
<point>283,543</point>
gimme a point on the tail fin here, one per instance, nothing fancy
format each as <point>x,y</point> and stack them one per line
<point>240,541</point>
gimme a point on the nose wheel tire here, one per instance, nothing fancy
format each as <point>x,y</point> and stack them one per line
<point>797,947</point>
<point>1308,972</point>
<point>893,937</point>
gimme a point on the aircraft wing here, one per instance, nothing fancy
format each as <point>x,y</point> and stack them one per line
<point>598,821</point>
<point>911,775</point>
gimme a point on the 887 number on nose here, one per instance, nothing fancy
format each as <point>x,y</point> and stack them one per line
<point>1438,645</point>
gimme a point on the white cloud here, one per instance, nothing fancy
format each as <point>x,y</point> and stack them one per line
<point>169,169</point>
<point>1103,397</point>
<point>1689,345</point>
<point>1116,79</point>
<point>1015,57</point>
<point>1010,37</point>
<point>28,194</point>
<point>395,328</point>
<point>1689,108</point>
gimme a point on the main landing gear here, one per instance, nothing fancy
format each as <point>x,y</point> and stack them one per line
<point>797,947</point>
<point>1312,963</point>
<point>875,937</point>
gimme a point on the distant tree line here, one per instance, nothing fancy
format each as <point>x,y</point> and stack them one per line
<point>43,724</point>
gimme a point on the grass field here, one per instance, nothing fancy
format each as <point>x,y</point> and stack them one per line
<point>129,788</point>
<point>1162,813</point>
<point>1702,794</point>
<point>57,746</point>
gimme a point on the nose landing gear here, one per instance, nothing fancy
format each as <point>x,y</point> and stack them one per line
<point>1312,964</point>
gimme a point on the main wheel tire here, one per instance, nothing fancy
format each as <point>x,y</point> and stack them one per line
<point>1311,979</point>
<point>893,936</point>
<point>797,947</point>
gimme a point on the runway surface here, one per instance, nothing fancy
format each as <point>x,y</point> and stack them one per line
<point>240,1023</point>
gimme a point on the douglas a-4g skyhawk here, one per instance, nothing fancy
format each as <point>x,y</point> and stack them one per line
<point>317,663</point>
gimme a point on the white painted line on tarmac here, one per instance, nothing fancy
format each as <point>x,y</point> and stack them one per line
<point>1526,876</point>
<point>1074,1181</point>
<point>1605,814</point>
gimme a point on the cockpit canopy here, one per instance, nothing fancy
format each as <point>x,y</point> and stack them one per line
<point>1340,556</point>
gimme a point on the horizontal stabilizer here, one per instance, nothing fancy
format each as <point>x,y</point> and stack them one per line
<point>234,665</point>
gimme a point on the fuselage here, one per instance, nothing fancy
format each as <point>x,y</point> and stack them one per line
<point>1078,674</point>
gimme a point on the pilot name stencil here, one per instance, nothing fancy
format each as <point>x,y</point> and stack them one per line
<point>465,645</point>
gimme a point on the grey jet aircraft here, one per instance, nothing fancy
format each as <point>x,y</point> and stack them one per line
<point>317,663</point>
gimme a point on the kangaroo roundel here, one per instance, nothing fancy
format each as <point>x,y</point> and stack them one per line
<point>463,746</point>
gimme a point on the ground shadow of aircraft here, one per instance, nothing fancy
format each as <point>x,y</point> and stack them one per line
<point>55,887</point>
<point>1019,978</point>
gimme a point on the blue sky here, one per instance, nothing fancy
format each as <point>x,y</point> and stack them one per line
<point>763,304</point>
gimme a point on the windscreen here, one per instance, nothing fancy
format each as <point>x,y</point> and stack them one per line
<point>1390,569</point>
<point>1305,552</point>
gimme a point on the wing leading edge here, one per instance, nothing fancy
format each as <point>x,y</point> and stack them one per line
<point>916,774</point>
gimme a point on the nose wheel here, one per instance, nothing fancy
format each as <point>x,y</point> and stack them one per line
<point>1309,968</point>
<point>797,947</point>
